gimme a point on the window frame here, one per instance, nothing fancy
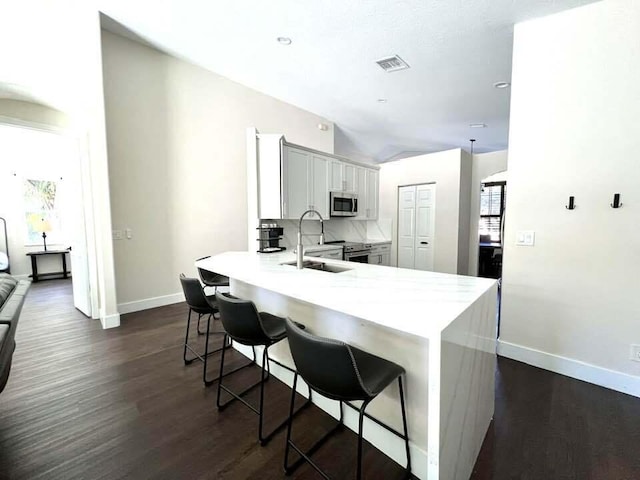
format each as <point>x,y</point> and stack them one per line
<point>503,187</point>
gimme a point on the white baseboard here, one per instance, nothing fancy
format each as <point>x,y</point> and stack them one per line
<point>110,321</point>
<point>586,372</point>
<point>147,303</point>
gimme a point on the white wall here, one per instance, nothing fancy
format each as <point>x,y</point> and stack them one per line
<point>484,165</point>
<point>443,169</point>
<point>177,164</point>
<point>572,302</point>
<point>54,56</point>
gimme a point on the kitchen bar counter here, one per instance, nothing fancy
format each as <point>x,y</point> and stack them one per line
<point>387,296</point>
<point>439,327</point>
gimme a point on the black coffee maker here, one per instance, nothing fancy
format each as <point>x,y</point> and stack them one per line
<point>270,235</point>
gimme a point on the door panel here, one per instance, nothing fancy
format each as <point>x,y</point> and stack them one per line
<point>74,220</point>
<point>297,183</point>
<point>406,227</point>
<point>320,195</point>
<point>337,183</point>
<point>416,215</point>
<point>424,227</point>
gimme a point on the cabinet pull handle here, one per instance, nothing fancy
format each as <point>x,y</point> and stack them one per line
<point>424,243</point>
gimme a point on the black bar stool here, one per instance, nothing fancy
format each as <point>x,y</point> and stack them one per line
<point>245,325</point>
<point>203,305</point>
<point>213,280</point>
<point>345,374</point>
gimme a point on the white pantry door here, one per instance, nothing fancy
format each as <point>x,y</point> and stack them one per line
<point>406,226</point>
<point>416,221</point>
<point>425,220</point>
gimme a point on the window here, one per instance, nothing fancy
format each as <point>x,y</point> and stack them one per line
<point>41,213</point>
<point>492,201</point>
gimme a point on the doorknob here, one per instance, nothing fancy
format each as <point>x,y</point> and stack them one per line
<point>424,243</point>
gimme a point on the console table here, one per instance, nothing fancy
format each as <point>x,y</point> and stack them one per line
<point>34,265</point>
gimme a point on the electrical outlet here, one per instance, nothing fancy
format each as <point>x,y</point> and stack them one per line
<point>118,234</point>
<point>634,354</point>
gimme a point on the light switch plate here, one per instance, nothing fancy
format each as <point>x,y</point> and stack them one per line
<point>118,234</point>
<point>634,354</point>
<point>526,238</point>
<point>128,233</point>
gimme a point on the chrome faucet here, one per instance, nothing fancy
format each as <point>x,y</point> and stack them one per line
<point>299,247</point>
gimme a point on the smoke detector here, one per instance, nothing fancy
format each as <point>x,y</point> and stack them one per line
<point>392,64</point>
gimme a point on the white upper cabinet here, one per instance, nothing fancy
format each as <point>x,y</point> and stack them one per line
<point>319,195</point>
<point>343,177</point>
<point>372,194</point>
<point>292,180</point>
<point>350,178</point>
<point>361,190</point>
<point>306,186</point>
<point>367,190</point>
<point>337,176</point>
<point>298,171</point>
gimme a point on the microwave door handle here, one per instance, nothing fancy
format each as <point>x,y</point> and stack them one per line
<point>355,206</point>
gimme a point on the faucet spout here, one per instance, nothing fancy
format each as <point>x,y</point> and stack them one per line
<point>299,247</point>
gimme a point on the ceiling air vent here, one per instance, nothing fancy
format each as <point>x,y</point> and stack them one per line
<point>392,64</point>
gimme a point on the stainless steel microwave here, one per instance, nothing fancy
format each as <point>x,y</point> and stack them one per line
<point>343,204</point>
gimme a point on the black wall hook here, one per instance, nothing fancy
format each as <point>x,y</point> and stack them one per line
<point>571,205</point>
<point>616,201</point>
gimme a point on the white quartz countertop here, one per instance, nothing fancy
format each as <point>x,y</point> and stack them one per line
<point>414,302</point>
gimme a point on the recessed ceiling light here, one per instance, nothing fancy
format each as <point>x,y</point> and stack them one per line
<point>284,40</point>
<point>502,85</point>
<point>478,125</point>
<point>382,100</point>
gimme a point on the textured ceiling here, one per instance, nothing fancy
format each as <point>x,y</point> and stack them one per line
<point>456,49</point>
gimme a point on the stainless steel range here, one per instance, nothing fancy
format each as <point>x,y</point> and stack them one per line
<point>353,251</point>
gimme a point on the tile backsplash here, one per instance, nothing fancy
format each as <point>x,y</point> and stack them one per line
<point>334,229</point>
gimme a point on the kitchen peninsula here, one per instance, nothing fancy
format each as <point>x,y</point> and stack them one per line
<point>439,327</point>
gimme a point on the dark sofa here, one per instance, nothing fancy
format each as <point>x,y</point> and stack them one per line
<point>12,295</point>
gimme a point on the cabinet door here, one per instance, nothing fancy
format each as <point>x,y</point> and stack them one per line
<point>320,186</point>
<point>298,171</point>
<point>337,176</point>
<point>372,194</point>
<point>350,178</point>
<point>361,190</point>
<point>386,259</point>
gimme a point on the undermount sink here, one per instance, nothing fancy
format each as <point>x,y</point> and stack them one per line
<point>320,266</point>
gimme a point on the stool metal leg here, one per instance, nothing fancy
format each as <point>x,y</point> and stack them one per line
<point>404,425</point>
<point>226,345</point>
<point>186,340</point>
<point>264,377</point>
<point>306,456</point>
<point>360,426</point>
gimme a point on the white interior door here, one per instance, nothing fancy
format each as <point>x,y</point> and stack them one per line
<point>416,221</point>
<point>75,224</point>
<point>425,220</point>
<point>406,226</point>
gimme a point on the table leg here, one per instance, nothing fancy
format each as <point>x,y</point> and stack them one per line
<point>34,268</point>
<point>64,264</point>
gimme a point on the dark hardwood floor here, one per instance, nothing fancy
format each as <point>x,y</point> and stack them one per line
<point>83,403</point>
